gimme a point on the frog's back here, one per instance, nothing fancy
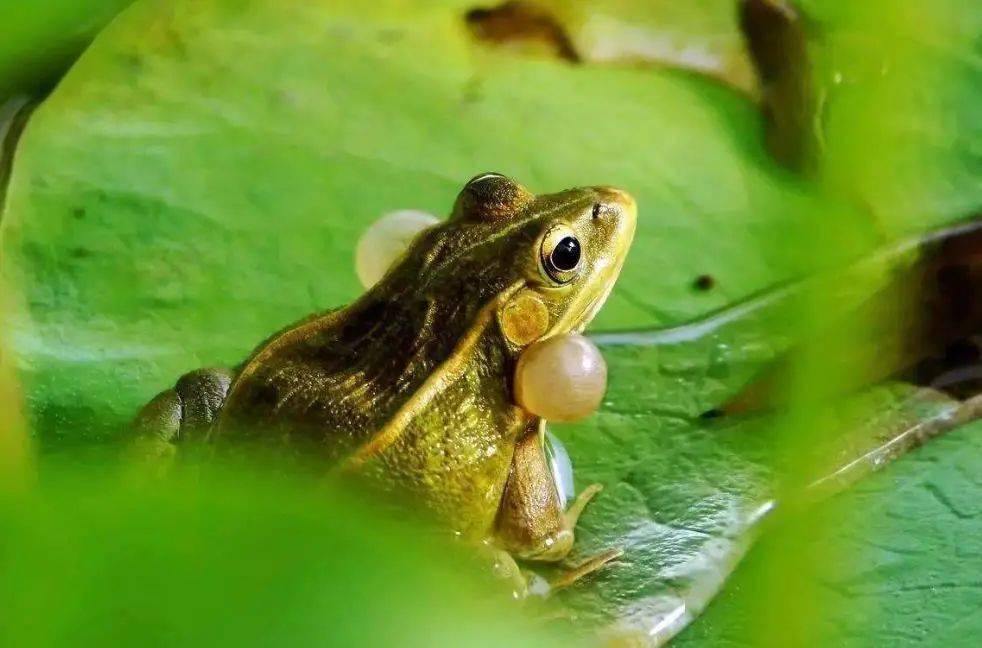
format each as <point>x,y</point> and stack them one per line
<point>336,379</point>
<point>332,386</point>
<point>326,382</point>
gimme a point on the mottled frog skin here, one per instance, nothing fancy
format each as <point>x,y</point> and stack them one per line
<point>411,384</point>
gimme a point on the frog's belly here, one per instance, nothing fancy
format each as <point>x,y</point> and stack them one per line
<point>455,457</point>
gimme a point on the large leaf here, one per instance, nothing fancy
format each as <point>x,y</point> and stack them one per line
<point>200,178</point>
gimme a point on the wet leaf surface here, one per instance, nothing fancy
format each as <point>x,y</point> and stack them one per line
<point>684,499</point>
<point>909,536</point>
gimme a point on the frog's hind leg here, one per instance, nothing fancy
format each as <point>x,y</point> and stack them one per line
<point>531,523</point>
<point>180,414</point>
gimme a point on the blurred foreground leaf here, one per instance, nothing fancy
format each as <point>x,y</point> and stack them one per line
<point>229,559</point>
<point>901,86</point>
<point>16,460</point>
<point>910,538</point>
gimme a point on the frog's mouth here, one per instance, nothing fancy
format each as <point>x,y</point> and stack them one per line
<point>579,315</point>
<point>591,299</point>
<point>592,308</point>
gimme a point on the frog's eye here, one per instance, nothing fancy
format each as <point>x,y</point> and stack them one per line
<point>561,254</point>
<point>490,196</point>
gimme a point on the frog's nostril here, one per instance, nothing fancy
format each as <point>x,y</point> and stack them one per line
<point>614,201</point>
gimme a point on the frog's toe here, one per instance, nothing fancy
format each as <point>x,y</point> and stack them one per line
<point>585,568</point>
<point>505,569</point>
<point>579,504</point>
<point>182,412</point>
<point>160,419</point>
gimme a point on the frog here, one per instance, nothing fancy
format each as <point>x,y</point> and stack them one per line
<point>411,385</point>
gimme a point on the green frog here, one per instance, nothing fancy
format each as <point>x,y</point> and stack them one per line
<point>411,385</point>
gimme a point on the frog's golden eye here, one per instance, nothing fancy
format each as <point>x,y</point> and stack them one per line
<point>560,254</point>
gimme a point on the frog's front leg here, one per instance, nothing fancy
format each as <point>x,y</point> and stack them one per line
<point>531,522</point>
<point>182,413</point>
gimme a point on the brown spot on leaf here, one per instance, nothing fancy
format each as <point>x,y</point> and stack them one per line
<point>522,26</point>
<point>704,282</point>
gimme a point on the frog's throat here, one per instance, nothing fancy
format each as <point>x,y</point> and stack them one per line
<point>588,302</point>
<point>450,370</point>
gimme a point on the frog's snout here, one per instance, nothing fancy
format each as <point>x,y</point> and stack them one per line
<point>618,198</point>
<point>619,206</point>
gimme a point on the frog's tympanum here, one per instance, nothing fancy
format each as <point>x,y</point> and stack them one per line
<point>412,384</point>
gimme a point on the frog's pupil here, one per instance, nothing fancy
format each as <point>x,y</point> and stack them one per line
<point>566,254</point>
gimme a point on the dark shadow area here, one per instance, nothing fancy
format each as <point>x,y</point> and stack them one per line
<point>523,25</point>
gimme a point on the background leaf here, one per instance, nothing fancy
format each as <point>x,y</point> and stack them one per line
<point>39,41</point>
<point>195,182</point>
<point>699,35</point>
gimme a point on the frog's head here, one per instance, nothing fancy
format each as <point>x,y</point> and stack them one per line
<point>546,263</point>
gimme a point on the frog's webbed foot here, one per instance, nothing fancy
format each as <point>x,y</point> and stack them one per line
<point>182,413</point>
<point>572,515</point>
<point>593,563</point>
<point>532,523</point>
<point>525,583</point>
<point>585,568</point>
<point>505,569</point>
